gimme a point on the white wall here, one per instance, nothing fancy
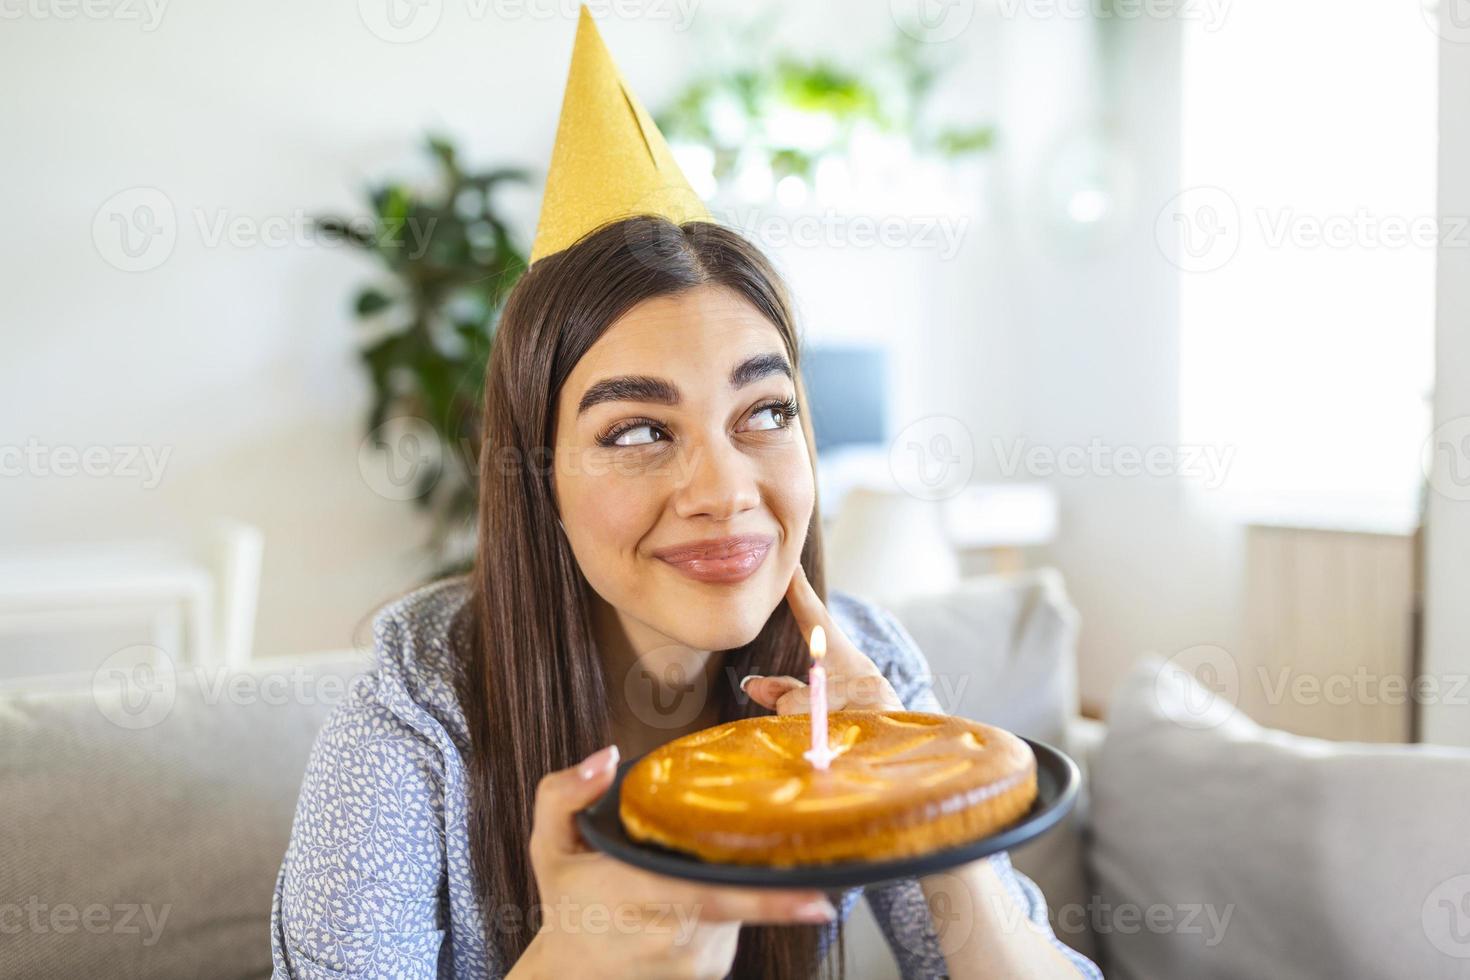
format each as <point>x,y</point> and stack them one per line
<point>236,357</point>
<point>1096,339</point>
<point>239,358</point>
<point>1447,532</point>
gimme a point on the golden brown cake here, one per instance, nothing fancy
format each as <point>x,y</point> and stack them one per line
<point>903,783</point>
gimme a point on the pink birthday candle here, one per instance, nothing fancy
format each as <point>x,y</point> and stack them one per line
<point>819,754</point>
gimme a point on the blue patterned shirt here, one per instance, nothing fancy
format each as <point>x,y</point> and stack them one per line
<point>377,879</point>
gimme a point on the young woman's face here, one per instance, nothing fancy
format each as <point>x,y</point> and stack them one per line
<point>684,485</point>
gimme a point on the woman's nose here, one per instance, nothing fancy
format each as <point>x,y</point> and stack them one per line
<point>717,482</point>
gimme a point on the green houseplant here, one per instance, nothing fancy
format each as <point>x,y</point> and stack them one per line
<point>449,261</point>
<point>791,110</point>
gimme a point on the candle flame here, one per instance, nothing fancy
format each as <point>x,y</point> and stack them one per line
<point>818,643</point>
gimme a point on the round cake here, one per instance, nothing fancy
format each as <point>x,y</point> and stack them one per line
<point>903,783</point>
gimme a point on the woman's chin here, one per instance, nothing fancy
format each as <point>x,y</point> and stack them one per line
<point>719,623</point>
<point>722,636</point>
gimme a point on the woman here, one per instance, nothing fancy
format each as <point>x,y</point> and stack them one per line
<point>648,538</point>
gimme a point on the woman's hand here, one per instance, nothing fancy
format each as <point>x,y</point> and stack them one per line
<point>602,918</point>
<point>853,680</point>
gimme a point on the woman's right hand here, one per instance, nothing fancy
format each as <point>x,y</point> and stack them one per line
<point>603,918</point>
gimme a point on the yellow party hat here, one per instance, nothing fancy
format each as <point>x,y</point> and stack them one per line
<point>610,161</point>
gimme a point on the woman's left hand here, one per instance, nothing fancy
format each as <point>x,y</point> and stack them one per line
<point>853,680</point>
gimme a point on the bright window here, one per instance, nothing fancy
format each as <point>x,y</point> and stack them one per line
<point>1307,238</point>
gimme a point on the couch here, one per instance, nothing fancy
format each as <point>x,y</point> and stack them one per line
<point>143,818</point>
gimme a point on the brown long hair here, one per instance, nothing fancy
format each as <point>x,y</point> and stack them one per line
<point>530,679</point>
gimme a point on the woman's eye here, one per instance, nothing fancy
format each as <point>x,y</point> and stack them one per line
<point>770,417</point>
<point>638,435</point>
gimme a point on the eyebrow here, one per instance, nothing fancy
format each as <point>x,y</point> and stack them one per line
<point>642,388</point>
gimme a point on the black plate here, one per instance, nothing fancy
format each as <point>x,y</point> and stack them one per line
<point>1057,780</point>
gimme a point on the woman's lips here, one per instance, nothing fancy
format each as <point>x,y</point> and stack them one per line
<point>731,559</point>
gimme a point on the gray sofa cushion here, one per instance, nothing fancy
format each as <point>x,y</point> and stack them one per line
<point>1224,849</point>
<point>142,838</point>
<point>1003,650</point>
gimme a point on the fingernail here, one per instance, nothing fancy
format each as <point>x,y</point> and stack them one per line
<point>820,910</point>
<point>748,678</point>
<point>598,761</point>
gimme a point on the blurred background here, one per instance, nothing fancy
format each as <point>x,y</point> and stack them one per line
<point>1123,288</point>
<point>1134,331</point>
